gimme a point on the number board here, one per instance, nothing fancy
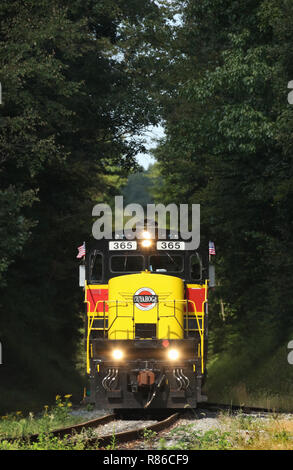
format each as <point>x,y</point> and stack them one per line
<point>125,245</point>
<point>171,245</point>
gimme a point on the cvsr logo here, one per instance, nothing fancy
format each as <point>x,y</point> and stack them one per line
<point>145,298</point>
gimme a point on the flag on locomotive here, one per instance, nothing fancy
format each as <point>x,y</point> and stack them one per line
<point>146,322</point>
<point>81,251</point>
<point>212,249</point>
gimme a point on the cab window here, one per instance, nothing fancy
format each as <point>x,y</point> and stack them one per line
<point>96,266</point>
<point>195,267</point>
<point>126,263</point>
<point>166,263</point>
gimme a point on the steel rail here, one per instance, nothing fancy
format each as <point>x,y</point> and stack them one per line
<point>243,408</point>
<point>61,432</point>
<point>131,435</point>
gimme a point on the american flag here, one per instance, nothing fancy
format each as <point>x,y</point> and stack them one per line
<point>81,250</point>
<point>212,250</point>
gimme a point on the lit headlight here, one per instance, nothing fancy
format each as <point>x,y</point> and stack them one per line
<point>117,354</point>
<point>146,243</point>
<point>173,354</point>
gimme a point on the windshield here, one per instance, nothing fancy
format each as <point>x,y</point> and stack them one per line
<point>166,263</point>
<point>127,263</point>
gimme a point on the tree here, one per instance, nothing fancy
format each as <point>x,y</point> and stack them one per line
<point>227,147</point>
<point>72,106</point>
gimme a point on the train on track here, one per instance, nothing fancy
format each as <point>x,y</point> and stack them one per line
<point>146,322</point>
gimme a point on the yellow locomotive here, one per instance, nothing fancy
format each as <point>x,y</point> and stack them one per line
<point>146,323</point>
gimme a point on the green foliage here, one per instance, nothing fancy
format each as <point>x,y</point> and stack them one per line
<point>143,187</point>
<point>17,425</point>
<point>14,234</point>
<point>137,189</point>
<point>187,437</point>
<point>149,436</point>
<point>213,440</point>
<point>259,375</point>
<point>80,81</point>
<point>73,100</point>
<point>44,442</point>
<point>228,147</point>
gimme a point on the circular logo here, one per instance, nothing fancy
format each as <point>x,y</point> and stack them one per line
<point>145,298</point>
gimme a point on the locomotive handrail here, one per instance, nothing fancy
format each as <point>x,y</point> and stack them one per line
<point>200,330</point>
<point>200,333</point>
<point>93,315</point>
<point>90,328</point>
<point>196,314</point>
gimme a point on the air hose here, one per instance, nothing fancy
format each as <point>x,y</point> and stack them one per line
<point>158,385</point>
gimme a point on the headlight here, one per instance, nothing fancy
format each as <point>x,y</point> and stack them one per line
<point>117,354</point>
<point>173,354</point>
<point>146,243</point>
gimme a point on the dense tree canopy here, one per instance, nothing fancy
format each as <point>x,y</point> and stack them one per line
<point>81,80</point>
<point>228,147</point>
<point>73,106</point>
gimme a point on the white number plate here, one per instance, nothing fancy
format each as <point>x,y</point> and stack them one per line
<point>171,245</point>
<point>125,245</point>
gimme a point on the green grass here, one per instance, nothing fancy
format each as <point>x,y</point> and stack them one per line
<point>243,378</point>
<point>16,425</point>
<point>240,432</point>
<point>19,428</point>
<point>44,442</point>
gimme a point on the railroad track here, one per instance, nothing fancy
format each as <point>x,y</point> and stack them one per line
<point>61,432</point>
<point>103,440</point>
<point>132,434</point>
<point>139,431</point>
<point>237,408</point>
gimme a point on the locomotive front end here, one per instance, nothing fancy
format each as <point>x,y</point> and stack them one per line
<point>146,329</point>
<point>146,305</point>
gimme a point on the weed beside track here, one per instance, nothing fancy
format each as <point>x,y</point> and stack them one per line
<point>201,429</point>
